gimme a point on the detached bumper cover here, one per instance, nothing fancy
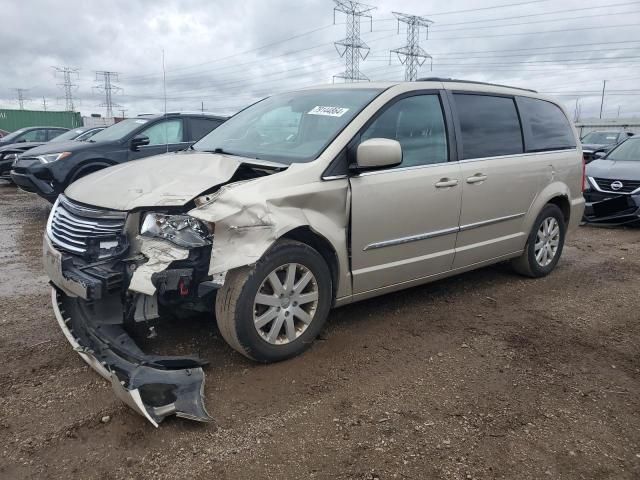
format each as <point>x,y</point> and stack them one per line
<point>154,386</point>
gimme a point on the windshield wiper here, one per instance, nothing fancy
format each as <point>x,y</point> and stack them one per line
<point>221,151</point>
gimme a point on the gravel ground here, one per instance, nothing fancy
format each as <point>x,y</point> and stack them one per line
<point>486,375</point>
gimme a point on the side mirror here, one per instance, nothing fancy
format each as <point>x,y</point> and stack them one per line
<point>378,152</point>
<point>599,154</point>
<point>139,141</point>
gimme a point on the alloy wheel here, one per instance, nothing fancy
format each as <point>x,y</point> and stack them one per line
<point>547,241</point>
<point>285,304</point>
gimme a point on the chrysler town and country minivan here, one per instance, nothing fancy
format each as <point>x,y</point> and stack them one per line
<point>302,202</point>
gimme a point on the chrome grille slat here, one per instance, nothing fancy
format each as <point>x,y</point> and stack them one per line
<point>88,223</point>
<point>71,226</point>
<point>85,230</point>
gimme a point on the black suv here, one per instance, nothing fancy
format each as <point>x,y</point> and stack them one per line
<point>49,169</point>
<point>10,152</point>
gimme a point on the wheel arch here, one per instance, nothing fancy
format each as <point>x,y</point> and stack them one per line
<point>557,193</point>
<point>89,166</point>
<point>562,202</point>
<point>305,234</point>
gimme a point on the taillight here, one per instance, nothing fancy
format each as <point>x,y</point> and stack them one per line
<point>585,182</point>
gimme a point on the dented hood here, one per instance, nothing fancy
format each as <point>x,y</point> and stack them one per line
<point>165,180</point>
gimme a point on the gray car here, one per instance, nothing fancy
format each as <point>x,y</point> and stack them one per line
<point>302,202</point>
<point>613,193</point>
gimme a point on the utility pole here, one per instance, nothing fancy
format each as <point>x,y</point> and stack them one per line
<point>352,48</point>
<point>618,111</point>
<point>604,86</point>
<point>67,85</point>
<point>412,55</point>
<point>44,104</point>
<point>108,89</point>
<point>202,107</point>
<point>123,111</point>
<point>20,94</point>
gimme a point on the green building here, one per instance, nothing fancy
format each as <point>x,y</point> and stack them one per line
<point>11,120</point>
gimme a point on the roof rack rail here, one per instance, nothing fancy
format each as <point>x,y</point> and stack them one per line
<point>438,79</point>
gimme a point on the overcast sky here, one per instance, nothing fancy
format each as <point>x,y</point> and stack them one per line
<point>225,54</point>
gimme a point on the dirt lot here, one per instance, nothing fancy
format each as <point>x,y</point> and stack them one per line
<point>486,375</point>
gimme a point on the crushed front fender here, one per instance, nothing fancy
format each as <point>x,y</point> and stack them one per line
<point>154,386</point>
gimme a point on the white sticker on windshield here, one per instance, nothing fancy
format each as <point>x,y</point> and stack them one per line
<point>141,121</point>
<point>328,111</point>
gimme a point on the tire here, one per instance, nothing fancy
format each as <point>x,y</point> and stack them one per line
<point>241,316</point>
<point>527,264</point>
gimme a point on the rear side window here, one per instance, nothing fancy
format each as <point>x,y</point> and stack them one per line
<point>490,126</point>
<point>202,126</point>
<point>546,126</point>
<point>418,124</point>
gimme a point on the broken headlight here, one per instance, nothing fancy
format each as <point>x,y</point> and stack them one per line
<point>183,230</point>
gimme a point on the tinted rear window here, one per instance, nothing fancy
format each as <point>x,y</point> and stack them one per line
<point>202,126</point>
<point>490,126</point>
<point>546,126</point>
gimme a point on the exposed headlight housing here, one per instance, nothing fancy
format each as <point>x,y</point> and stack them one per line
<point>53,157</point>
<point>182,230</point>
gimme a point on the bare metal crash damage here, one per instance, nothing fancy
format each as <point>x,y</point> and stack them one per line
<point>248,214</point>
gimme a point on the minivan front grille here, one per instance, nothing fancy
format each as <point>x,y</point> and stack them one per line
<point>617,186</point>
<point>81,230</point>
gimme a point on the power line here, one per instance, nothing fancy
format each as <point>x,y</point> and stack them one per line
<point>493,7</point>
<point>546,20</point>
<point>554,12</point>
<point>67,85</point>
<point>352,48</point>
<point>412,55</point>
<point>108,89</point>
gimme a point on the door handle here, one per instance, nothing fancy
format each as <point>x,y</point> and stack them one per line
<point>477,178</point>
<point>446,183</point>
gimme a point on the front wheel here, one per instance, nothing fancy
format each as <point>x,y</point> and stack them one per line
<point>275,309</point>
<point>544,245</point>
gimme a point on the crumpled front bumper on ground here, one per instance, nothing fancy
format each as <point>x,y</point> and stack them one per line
<point>154,386</point>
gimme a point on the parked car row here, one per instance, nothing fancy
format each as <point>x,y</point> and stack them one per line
<point>9,152</point>
<point>304,201</point>
<point>597,143</point>
<point>48,169</point>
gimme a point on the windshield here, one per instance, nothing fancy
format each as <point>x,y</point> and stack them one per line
<point>66,136</point>
<point>119,130</point>
<point>12,136</point>
<point>291,127</point>
<point>628,150</point>
<point>601,138</point>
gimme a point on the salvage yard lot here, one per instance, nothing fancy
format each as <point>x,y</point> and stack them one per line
<point>485,375</point>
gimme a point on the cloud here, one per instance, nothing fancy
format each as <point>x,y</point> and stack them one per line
<point>226,54</point>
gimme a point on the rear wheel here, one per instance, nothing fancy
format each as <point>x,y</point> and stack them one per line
<point>275,309</point>
<point>544,245</point>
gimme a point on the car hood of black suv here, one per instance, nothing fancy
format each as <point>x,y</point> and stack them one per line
<point>614,169</point>
<point>70,146</point>
<point>18,147</point>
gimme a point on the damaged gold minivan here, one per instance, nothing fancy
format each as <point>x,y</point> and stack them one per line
<point>302,202</point>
